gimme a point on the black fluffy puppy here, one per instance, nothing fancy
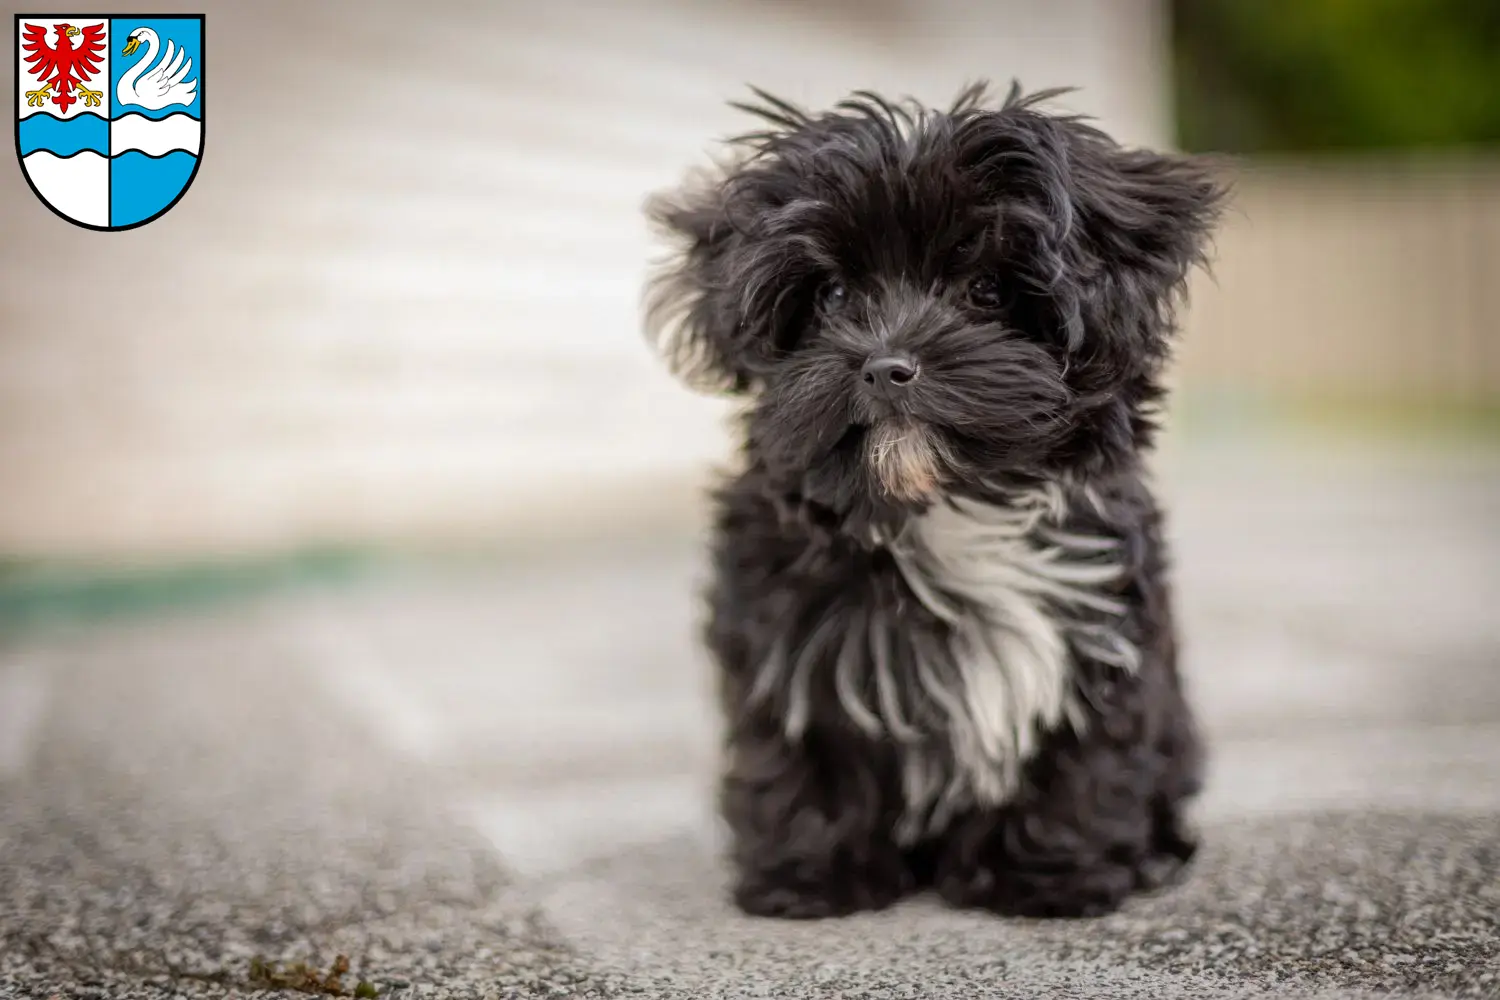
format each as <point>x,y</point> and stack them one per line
<point>940,601</point>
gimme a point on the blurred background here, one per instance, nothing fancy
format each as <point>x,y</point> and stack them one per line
<point>402,308</point>
<point>381,367</point>
<point>399,309</point>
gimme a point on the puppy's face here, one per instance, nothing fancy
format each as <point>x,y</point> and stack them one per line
<point>920,302</point>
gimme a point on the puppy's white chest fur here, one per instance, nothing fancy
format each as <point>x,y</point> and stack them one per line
<point>1017,596</point>
<point>966,704</point>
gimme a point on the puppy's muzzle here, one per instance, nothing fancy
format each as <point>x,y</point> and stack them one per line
<point>887,377</point>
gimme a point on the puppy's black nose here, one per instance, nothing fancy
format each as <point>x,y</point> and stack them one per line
<point>886,375</point>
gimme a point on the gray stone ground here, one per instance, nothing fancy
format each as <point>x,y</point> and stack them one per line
<point>494,782</point>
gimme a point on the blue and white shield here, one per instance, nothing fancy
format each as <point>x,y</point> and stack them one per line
<point>109,113</point>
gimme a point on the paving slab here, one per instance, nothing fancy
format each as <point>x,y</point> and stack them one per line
<point>192,803</point>
<point>496,781</point>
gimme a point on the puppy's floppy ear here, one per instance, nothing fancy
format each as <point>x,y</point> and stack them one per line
<point>1110,233</point>
<point>1143,220</point>
<point>691,314</point>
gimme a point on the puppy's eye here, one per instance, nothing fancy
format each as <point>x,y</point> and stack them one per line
<point>832,296</point>
<point>985,293</point>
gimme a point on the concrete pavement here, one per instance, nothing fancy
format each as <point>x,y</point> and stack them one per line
<point>494,781</point>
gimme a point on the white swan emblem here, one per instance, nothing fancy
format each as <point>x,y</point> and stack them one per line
<point>161,85</point>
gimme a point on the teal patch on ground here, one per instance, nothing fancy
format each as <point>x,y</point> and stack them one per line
<point>44,594</point>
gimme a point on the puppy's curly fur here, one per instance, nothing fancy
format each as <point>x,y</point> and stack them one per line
<point>940,604</point>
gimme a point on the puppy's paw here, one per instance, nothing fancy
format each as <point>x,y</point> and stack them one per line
<point>1160,871</point>
<point>801,894</point>
<point>1070,893</point>
<point>1173,848</point>
<point>790,902</point>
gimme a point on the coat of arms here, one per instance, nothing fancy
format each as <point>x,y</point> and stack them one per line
<point>109,113</point>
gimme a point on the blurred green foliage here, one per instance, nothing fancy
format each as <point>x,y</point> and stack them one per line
<point>1270,76</point>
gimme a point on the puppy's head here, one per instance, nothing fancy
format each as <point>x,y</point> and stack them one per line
<point>919,302</point>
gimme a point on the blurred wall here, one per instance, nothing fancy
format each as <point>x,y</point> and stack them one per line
<point>400,300</point>
<point>1353,279</point>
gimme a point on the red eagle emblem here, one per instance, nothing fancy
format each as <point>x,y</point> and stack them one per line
<point>64,70</point>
